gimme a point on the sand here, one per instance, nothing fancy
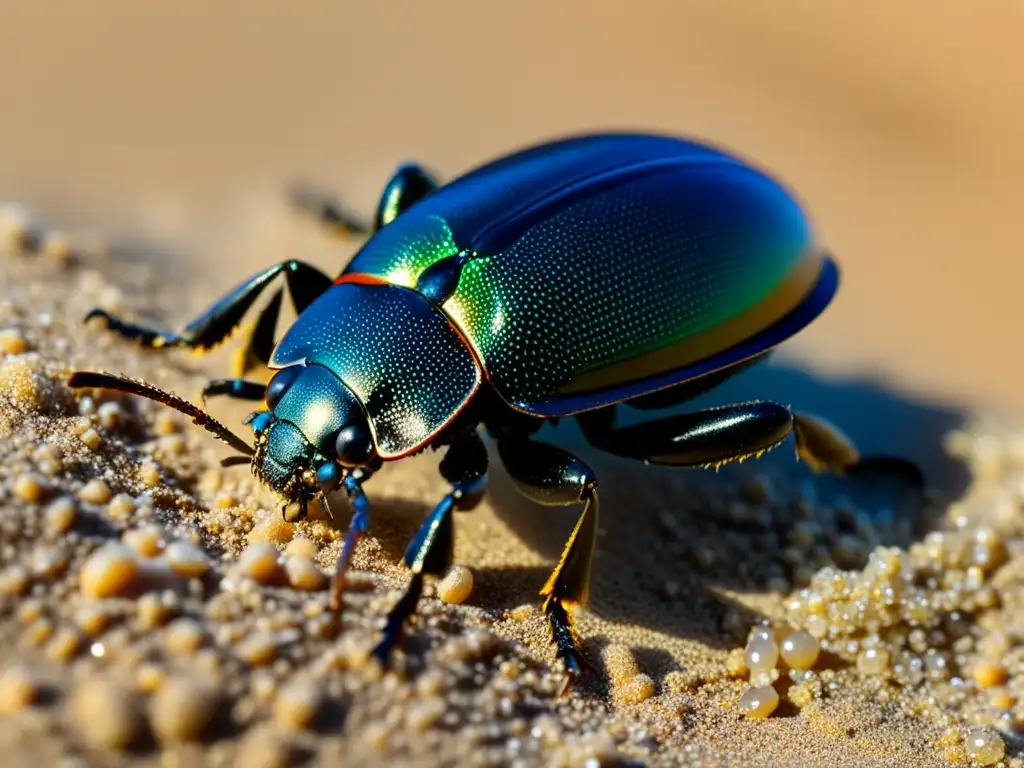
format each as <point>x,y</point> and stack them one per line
<point>156,609</point>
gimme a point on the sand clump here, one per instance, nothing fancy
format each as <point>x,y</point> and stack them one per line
<point>18,690</point>
<point>184,709</point>
<point>156,606</point>
<point>456,585</point>
<point>106,714</point>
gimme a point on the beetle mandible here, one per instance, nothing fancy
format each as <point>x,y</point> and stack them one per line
<point>561,280</point>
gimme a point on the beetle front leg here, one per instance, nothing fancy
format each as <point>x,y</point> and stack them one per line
<point>551,476</point>
<point>356,528</point>
<point>430,551</point>
<point>305,283</point>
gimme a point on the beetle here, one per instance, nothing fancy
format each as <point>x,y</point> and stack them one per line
<point>561,280</point>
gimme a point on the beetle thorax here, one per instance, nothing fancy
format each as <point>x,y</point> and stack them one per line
<point>398,354</point>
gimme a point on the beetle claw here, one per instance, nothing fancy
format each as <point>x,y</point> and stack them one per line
<point>574,668</point>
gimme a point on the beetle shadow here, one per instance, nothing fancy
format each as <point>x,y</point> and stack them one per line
<point>680,551</point>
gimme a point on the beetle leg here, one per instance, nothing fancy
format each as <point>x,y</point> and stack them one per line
<point>408,185</point>
<point>733,433</point>
<point>237,389</point>
<point>551,476</point>
<point>325,211</point>
<point>217,323</point>
<point>259,338</point>
<point>430,551</point>
<point>701,438</point>
<point>465,462</point>
<point>356,528</point>
<point>823,447</point>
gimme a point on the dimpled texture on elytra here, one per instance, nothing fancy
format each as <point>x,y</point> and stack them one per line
<point>621,274</point>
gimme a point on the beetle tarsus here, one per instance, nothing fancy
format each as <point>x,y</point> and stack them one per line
<point>397,617</point>
<point>140,334</point>
<point>552,476</point>
<point>566,641</point>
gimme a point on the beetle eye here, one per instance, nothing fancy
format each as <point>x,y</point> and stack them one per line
<point>280,383</point>
<point>353,446</point>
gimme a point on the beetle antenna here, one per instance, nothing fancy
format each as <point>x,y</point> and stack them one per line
<point>234,461</point>
<point>98,380</point>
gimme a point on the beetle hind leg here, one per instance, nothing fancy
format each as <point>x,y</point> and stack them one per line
<point>551,476</point>
<point>728,433</point>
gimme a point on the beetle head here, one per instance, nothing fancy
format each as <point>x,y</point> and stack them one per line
<point>314,432</point>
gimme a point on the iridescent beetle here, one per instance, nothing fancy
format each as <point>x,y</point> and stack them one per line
<point>562,280</point>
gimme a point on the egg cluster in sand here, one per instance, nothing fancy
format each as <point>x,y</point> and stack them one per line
<point>932,620</point>
<point>798,651</point>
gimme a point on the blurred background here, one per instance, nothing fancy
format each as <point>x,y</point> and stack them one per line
<point>898,122</point>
